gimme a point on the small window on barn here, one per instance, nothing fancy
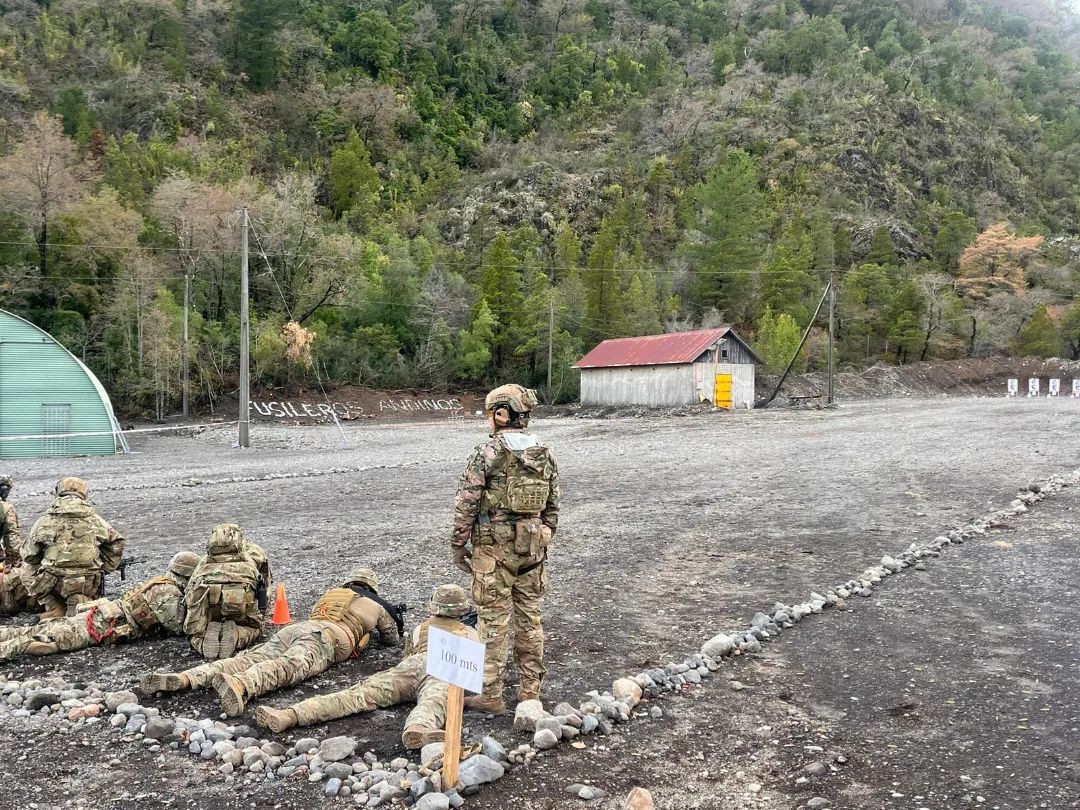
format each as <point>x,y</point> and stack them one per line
<point>723,352</point>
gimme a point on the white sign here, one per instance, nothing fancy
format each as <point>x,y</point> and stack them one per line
<point>1055,387</point>
<point>1014,387</point>
<point>456,660</point>
<point>1076,388</point>
<point>1033,387</point>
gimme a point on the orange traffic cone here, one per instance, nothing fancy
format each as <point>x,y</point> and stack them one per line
<point>281,606</point>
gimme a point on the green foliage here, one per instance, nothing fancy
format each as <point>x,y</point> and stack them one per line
<point>729,219</point>
<point>354,183</point>
<point>448,191</point>
<point>257,52</point>
<point>956,232</point>
<point>882,250</point>
<point>1039,337</point>
<point>778,337</point>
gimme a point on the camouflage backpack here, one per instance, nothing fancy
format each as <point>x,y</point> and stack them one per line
<point>223,585</point>
<point>528,475</point>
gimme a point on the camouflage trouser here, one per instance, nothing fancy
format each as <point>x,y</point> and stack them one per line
<point>67,588</point>
<point>292,655</point>
<point>245,637</point>
<point>401,684</point>
<point>504,599</point>
<point>89,628</point>
<point>13,595</point>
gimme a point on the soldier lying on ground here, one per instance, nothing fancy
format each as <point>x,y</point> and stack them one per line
<point>405,682</point>
<point>227,595</point>
<point>13,596</point>
<point>69,551</point>
<point>340,627</point>
<point>156,605</point>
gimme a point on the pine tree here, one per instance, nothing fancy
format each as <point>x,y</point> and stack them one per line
<point>603,288</point>
<point>1039,337</point>
<point>256,50</point>
<point>786,282</point>
<point>476,342</point>
<point>882,250</point>
<point>956,232</point>
<point>730,222</point>
<point>502,290</point>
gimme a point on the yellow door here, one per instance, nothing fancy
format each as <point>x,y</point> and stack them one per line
<point>722,398</point>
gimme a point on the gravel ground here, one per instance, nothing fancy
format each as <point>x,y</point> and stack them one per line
<point>673,529</point>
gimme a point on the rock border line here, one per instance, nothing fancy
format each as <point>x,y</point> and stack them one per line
<point>246,758</point>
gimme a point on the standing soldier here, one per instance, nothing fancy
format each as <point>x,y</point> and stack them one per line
<point>507,508</point>
<point>155,605</point>
<point>226,597</point>
<point>340,627</point>
<point>69,552</point>
<point>407,681</point>
<point>13,598</point>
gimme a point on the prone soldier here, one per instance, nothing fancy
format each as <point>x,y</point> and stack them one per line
<point>226,597</point>
<point>156,605</point>
<point>340,627</point>
<point>408,681</point>
<point>70,550</point>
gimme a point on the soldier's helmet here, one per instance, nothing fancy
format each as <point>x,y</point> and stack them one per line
<point>449,600</point>
<point>363,576</point>
<point>7,483</point>
<point>71,485</point>
<point>516,397</point>
<point>227,538</point>
<point>183,564</point>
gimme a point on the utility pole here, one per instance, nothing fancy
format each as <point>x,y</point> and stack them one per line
<point>832,331</point>
<point>245,383</point>
<point>187,350</point>
<point>551,339</point>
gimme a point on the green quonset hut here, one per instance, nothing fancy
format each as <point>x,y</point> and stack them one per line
<point>48,394</point>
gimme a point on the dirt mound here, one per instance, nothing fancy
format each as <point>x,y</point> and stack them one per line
<point>984,376</point>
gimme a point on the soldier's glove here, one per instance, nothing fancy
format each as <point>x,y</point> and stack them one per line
<point>462,557</point>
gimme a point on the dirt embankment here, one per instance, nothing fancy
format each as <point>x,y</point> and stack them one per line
<point>981,376</point>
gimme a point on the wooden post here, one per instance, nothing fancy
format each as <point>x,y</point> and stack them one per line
<point>455,708</point>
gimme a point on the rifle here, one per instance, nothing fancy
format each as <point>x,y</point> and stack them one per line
<point>122,570</point>
<point>470,618</point>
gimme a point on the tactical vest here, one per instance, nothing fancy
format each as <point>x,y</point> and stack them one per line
<point>138,606</point>
<point>229,582</point>
<point>334,606</point>
<point>74,546</point>
<point>528,476</point>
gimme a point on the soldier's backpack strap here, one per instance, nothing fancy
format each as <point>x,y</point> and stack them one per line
<point>395,614</point>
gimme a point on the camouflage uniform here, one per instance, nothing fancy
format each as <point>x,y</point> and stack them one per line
<point>507,507</point>
<point>13,596</point>
<point>156,605</point>
<point>226,597</point>
<point>408,681</point>
<point>69,551</point>
<point>340,627</point>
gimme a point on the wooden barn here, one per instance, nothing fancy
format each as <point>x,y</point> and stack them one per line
<point>681,368</point>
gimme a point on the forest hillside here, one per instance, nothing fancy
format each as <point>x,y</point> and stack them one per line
<point>441,192</point>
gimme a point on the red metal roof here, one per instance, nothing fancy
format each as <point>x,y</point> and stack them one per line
<point>653,350</point>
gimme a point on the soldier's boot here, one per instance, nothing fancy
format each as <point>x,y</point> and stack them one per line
<point>210,646</point>
<point>419,736</point>
<point>229,639</point>
<point>487,705</point>
<point>230,692</point>
<point>277,720</point>
<point>528,690</point>
<point>164,682</point>
<point>54,609</point>
<point>41,648</point>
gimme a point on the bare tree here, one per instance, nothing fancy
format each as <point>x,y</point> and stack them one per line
<point>42,178</point>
